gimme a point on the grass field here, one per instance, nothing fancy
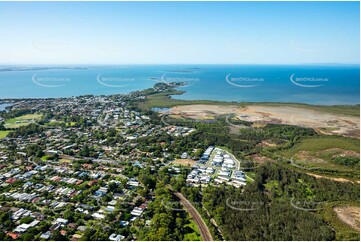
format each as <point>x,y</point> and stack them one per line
<point>3,134</point>
<point>56,123</point>
<point>64,161</point>
<point>53,123</point>
<point>45,157</point>
<point>23,120</point>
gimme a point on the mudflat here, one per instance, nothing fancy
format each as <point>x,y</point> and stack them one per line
<point>321,121</point>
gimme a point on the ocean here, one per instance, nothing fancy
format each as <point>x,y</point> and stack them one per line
<point>312,84</point>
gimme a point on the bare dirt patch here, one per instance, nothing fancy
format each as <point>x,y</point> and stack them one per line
<point>200,111</point>
<point>261,159</point>
<point>349,215</point>
<point>330,178</point>
<point>337,152</point>
<point>327,123</point>
<point>184,162</point>
<point>258,125</point>
<point>307,156</point>
<point>267,143</point>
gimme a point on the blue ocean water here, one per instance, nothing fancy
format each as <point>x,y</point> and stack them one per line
<point>313,84</point>
<point>4,105</point>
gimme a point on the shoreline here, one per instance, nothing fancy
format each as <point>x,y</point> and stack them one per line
<point>178,93</point>
<point>162,95</point>
<point>166,100</point>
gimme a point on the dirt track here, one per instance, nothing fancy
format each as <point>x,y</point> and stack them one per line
<point>206,235</point>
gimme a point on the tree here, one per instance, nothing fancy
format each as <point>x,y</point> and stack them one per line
<point>69,215</point>
<point>57,236</point>
<point>26,220</point>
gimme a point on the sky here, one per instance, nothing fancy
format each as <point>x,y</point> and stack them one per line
<point>35,33</point>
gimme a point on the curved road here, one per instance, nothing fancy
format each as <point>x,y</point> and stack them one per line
<point>206,235</point>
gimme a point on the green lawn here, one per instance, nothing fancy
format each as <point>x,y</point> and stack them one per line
<point>23,120</point>
<point>45,157</point>
<point>4,133</point>
<point>55,123</point>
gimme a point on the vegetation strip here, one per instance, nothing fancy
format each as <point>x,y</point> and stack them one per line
<point>206,235</point>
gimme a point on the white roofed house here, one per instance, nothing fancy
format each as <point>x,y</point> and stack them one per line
<point>184,155</point>
<point>133,182</point>
<point>23,227</point>
<point>115,237</point>
<point>209,170</point>
<point>193,180</point>
<point>137,211</point>
<point>225,173</point>
<point>222,178</point>
<point>240,176</point>
<point>61,220</point>
<point>205,179</point>
<point>229,163</point>
<point>98,216</point>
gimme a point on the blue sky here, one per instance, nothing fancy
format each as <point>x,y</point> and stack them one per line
<point>179,32</point>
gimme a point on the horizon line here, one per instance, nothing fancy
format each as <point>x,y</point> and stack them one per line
<point>112,64</point>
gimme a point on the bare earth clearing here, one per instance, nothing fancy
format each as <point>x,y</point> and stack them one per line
<point>327,123</point>
<point>349,215</point>
<point>184,162</point>
<point>340,179</point>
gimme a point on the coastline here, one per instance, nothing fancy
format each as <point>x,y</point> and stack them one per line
<point>167,100</point>
<point>223,83</point>
<point>157,99</point>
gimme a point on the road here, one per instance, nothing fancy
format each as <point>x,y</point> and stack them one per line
<point>206,235</point>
